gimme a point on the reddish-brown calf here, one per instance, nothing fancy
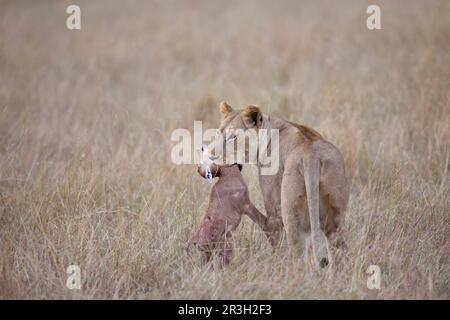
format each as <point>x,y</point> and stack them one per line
<point>228,201</point>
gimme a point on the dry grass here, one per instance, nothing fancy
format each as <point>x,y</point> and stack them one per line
<point>86,118</point>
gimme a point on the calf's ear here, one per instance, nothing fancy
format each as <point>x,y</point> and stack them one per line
<point>225,108</point>
<point>252,117</point>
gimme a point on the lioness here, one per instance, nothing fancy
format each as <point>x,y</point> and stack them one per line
<point>311,177</point>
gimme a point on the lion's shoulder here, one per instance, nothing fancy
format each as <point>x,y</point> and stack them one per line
<point>307,132</point>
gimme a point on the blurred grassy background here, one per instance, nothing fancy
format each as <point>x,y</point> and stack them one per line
<point>85,123</point>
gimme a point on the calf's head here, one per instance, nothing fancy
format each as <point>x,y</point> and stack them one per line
<point>208,169</point>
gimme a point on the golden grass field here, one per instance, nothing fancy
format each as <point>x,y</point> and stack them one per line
<point>86,117</point>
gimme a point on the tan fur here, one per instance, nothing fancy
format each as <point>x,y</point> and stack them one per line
<point>310,192</point>
<point>224,108</point>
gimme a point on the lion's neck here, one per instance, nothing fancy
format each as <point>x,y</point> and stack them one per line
<point>264,135</point>
<point>272,127</point>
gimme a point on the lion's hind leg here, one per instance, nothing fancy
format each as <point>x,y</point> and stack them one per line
<point>335,201</point>
<point>333,227</point>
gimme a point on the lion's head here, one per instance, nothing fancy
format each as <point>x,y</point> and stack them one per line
<point>236,139</point>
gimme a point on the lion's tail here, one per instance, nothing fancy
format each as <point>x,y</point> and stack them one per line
<point>312,177</point>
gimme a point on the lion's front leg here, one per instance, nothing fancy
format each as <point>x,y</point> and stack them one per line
<point>271,191</point>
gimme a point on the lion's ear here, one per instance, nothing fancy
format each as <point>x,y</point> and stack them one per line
<point>225,108</point>
<point>252,117</point>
